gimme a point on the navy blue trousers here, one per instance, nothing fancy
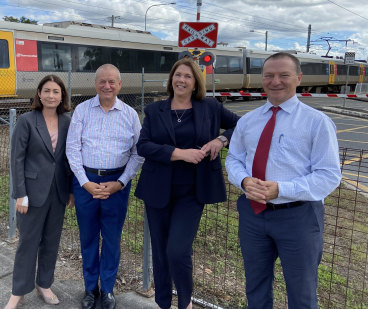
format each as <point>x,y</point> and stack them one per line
<point>293,234</point>
<point>100,217</point>
<point>173,229</point>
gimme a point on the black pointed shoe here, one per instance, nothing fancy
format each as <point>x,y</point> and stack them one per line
<point>90,299</point>
<point>108,300</point>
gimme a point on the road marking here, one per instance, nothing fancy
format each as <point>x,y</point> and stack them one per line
<point>348,140</point>
<point>357,175</point>
<point>354,183</point>
<point>356,159</point>
<point>352,129</point>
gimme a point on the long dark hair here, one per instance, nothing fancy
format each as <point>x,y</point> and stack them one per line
<point>63,106</point>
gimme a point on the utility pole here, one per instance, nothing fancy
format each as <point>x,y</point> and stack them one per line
<point>199,4</point>
<point>113,17</point>
<point>309,36</point>
<point>266,40</point>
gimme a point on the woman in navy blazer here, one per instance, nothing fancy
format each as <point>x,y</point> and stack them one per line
<point>41,187</point>
<point>182,171</point>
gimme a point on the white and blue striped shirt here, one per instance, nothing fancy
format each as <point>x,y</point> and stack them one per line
<point>304,153</point>
<point>103,140</point>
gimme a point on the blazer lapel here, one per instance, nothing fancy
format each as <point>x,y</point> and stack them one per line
<point>62,132</point>
<point>199,118</point>
<point>165,115</point>
<point>44,133</point>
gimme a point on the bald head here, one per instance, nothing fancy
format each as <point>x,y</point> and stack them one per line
<point>108,67</point>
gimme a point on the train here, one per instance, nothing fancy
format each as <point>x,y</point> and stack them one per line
<point>74,51</point>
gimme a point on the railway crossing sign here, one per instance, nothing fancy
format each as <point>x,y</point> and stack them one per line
<point>349,58</point>
<point>198,34</point>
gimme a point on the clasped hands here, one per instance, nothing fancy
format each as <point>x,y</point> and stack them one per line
<point>102,190</point>
<point>212,149</point>
<point>259,190</point>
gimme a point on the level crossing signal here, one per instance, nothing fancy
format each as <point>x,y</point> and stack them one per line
<point>205,58</point>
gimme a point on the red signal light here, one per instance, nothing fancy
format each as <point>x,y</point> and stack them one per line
<point>206,59</point>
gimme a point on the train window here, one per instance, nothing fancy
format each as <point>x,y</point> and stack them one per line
<point>235,65</point>
<point>221,65</point>
<point>123,59</point>
<point>354,71</point>
<point>311,68</point>
<point>255,66</point>
<point>341,69</point>
<point>167,60</point>
<point>91,57</point>
<point>55,57</point>
<point>228,65</point>
<point>146,59</point>
<point>4,54</point>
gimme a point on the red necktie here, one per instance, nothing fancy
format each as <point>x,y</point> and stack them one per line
<point>261,156</point>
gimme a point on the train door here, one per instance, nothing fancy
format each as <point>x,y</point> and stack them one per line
<point>331,78</point>
<point>7,68</point>
<point>361,73</point>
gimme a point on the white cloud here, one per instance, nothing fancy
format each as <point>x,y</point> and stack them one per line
<point>285,20</point>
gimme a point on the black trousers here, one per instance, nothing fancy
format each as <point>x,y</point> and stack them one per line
<point>39,238</point>
<point>173,229</point>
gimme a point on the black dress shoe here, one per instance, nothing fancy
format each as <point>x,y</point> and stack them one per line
<point>107,300</point>
<point>90,299</point>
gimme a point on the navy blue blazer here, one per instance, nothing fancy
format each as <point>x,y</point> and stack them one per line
<point>157,143</point>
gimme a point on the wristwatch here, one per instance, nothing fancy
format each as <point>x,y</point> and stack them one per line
<point>122,184</point>
<point>223,139</point>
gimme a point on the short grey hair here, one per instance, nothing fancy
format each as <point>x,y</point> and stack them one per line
<point>108,66</point>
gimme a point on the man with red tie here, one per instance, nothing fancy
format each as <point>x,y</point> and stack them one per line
<point>284,155</point>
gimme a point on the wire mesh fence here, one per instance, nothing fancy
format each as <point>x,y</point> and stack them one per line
<point>218,265</point>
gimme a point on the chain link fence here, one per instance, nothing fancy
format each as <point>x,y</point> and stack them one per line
<point>218,264</point>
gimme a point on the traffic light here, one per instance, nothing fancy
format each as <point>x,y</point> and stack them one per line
<point>184,54</point>
<point>206,59</point>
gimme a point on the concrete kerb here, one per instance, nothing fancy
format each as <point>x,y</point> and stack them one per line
<point>345,111</point>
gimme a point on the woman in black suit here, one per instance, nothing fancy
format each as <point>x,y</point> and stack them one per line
<point>41,187</point>
<point>182,171</point>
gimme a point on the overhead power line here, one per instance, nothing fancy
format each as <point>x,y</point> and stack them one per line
<point>347,9</point>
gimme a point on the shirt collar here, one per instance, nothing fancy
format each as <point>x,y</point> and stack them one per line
<point>287,106</point>
<point>118,104</point>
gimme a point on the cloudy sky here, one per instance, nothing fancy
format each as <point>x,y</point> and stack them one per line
<point>341,23</point>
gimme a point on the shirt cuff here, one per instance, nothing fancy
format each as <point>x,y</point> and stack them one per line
<point>286,189</point>
<point>82,179</point>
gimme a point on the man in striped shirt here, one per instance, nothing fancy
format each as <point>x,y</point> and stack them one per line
<point>101,149</point>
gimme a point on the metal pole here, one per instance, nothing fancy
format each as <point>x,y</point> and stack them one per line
<point>266,40</point>
<point>213,81</point>
<point>142,97</point>
<point>199,4</point>
<point>346,84</point>
<point>12,216</point>
<point>70,84</point>
<point>147,256</point>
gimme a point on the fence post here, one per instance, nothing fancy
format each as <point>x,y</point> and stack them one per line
<point>147,256</point>
<point>12,217</point>
<point>142,98</point>
<point>70,84</point>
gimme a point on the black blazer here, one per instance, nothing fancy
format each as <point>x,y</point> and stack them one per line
<point>33,163</point>
<point>157,143</point>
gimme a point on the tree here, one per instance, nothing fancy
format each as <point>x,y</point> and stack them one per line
<point>23,20</point>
